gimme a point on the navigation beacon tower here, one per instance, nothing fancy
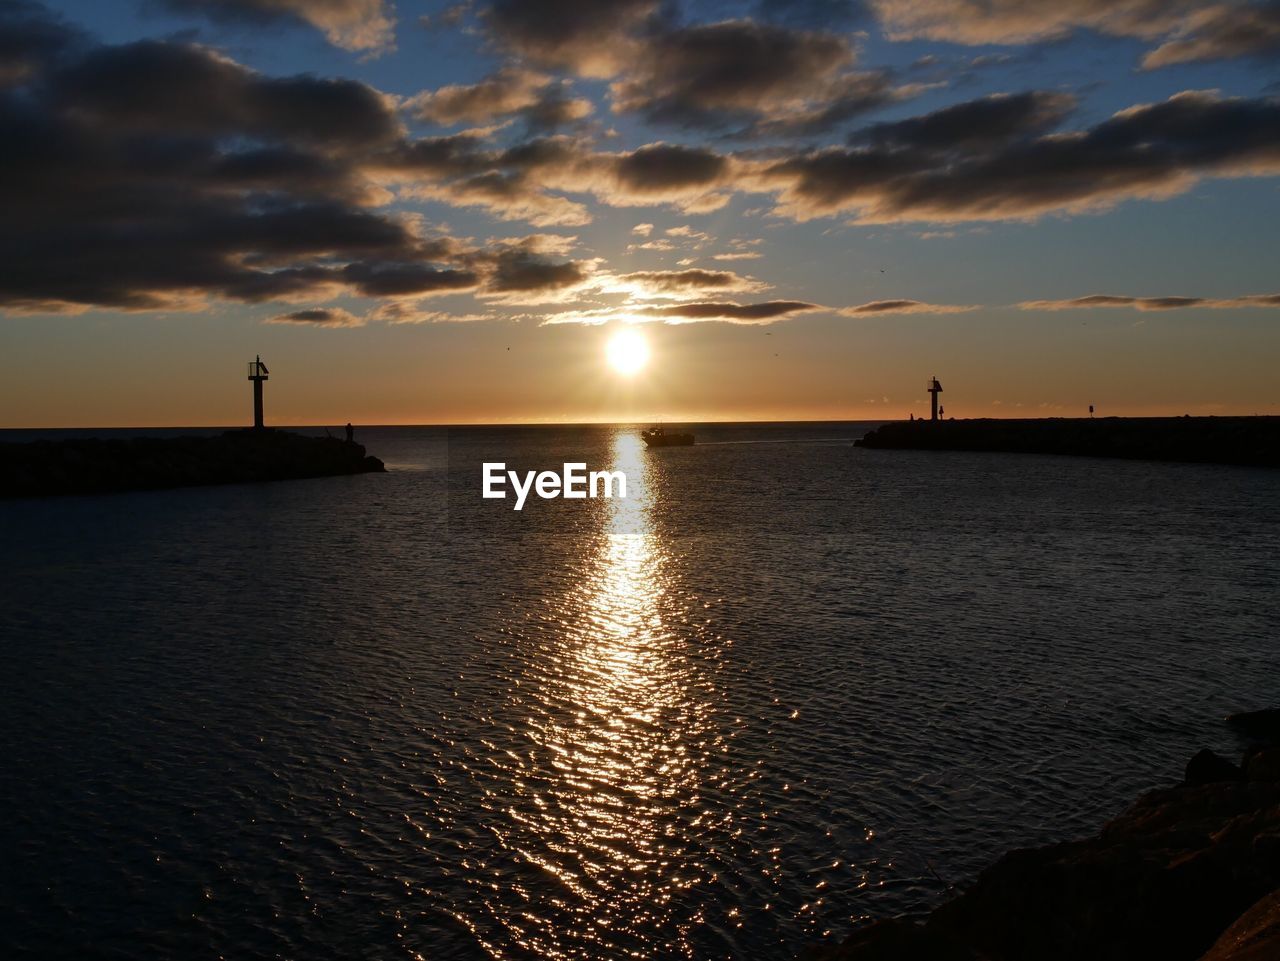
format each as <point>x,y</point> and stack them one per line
<point>257,374</point>
<point>934,390</point>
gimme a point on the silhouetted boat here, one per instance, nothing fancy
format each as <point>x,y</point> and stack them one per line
<point>658,437</point>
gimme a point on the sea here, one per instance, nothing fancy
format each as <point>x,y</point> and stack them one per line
<point>786,686</point>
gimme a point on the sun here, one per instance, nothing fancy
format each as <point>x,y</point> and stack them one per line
<point>627,352</point>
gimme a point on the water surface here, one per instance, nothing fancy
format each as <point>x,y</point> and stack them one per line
<point>785,686</point>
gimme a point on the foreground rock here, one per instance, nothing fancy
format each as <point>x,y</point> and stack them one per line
<point>1185,871</point>
<point>1254,937</point>
<point>1251,441</point>
<point>140,463</point>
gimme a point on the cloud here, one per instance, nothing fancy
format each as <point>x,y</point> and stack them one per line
<point>590,37</point>
<point>766,79</point>
<point>1224,31</point>
<point>159,175</point>
<point>766,312</point>
<point>908,172</point>
<point>31,40</point>
<point>153,85</point>
<point>414,312</point>
<point>661,169</point>
<point>367,26</point>
<point>511,91</point>
<point>973,124</point>
<point>1025,21</point>
<point>1154,303</point>
<point>524,272</point>
<point>710,74</point>
<point>517,182</point>
<point>497,95</point>
<point>771,79</point>
<point>399,279</point>
<point>681,283</point>
<point>642,230</point>
<point>1185,30</point>
<point>319,317</point>
<point>904,307</point>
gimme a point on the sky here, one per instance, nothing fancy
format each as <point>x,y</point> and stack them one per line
<point>432,212</point>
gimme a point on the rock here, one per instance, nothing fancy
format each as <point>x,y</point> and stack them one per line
<point>1223,440</point>
<point>1260,725</point>
<point>1262,764</point>
<point>86,466</point>
<point>1254,937</point>
<point>1162,881</point>
<point>1207,768</point>
<point>896,940</point>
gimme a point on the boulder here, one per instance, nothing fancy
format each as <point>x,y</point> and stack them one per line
<point>1207,768</point>
<point>1254,937</point>
<point>1259,725</point>
<point>1263,764</point>
<point>896,939</point>
<point>1162,881</point>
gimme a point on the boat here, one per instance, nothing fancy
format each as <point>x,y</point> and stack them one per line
<point>658,437</point>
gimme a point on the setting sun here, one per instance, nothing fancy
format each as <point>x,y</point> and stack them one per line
<point>627,352</point>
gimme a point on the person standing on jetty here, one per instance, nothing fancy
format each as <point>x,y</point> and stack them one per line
<point>351,434</point>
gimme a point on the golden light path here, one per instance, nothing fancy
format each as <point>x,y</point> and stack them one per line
<point>620,828</point>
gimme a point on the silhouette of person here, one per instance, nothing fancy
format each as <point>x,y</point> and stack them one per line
<point>912,416</point>
<point>351,434</point>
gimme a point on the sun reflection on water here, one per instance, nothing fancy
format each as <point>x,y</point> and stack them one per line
<point>617,819</point>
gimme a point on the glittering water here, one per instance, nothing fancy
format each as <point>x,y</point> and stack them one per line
<point>784,686</point>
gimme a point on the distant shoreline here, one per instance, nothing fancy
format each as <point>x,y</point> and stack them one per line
<point>668,421</point>
<point>41,468</point>
<point>1243,441</point>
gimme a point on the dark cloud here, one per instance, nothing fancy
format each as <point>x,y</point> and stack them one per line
<point>403,279</point>
<point>1026,21</point>
<point>1154,303</point>
<point>749,78</point>
<point>536,98</point>
<point>319,317</point>
<point>724,312</point>
<point>741,313</point>
<point>975,124</point>
<point>904,307</point>
<point>364,25</point>
<point>189,89</point>
<point>31,39</point>
<point>554,110</point>
<point>591,37</point>
<point>523,271</point>
<point>1151,150</point>
<point>659,167</point>
<point>655,282</point>
<point>1224,31</point>
<point>846,98</point>
<point>770,78</point>
<point>153,175</point>
<point>713,74</point>
<point>1184,30</point>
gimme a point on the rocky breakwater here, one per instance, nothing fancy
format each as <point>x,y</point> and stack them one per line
<point>91,466</point>
<point>1188,873</point>
<point>1251,441</point>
